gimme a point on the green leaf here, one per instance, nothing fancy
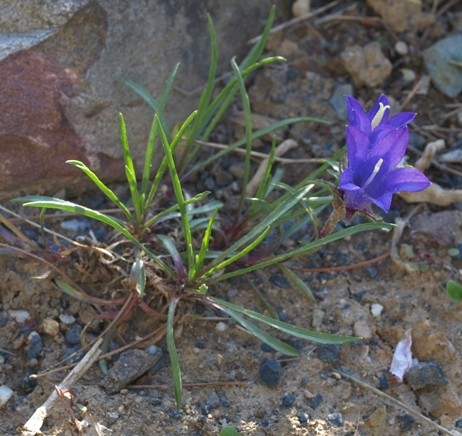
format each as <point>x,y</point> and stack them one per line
<point>173,251</point>
<point>321,338</point>
<point>454,291</point>
<point>176,371</point>
<point>297,281</point>
<point>205,243</point>
<point>228,431</point>
<point>453,252</point>
<point>137,278</point>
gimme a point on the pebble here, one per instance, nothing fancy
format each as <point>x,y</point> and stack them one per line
<point>3,318</point>
<point>383,380</point>
<point>401,48</point>
<point>288,400</point>
<point>213,401</point>
<point>152,349</point>
<point>279,280</point>
<point>270,372</point>
<point>20,316</point>
<point>28,384</point>
<point>372,271</point>
<point>335,419</point>
<point>362,329</point>
<point>69,351</point>
<point>446,77</point>
<point>175,415</point>
<point>67,319</point>
<point>430,402</point>
<point>303,417</point>
<point>424,374</point>
<point>221,326</point>
<point>338,102</point>
<point>317,318</point>
<point>35,346</point>
<point>74,225</point>
<point>5,394</point>
<point>316,401</point>
<point>300,7</point>
<point>308,394</point>
<point>459,423</point>
<point>327,353</point>
<point>266,348</point>
<point>73,334</point>
<point>131,365</point>
<point>405,422</point>
<point>50,326</point>
<point>376,310</point>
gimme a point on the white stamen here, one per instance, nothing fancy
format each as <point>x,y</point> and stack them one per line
<point>379,115</point>
<point>374,173</point>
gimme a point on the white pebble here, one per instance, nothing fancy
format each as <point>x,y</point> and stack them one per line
<point>20,316</point>
<point>300,7</point>
<point>376,310</point>
<point>67,319</point>
<point>152,349</point>
<point>221,327</point>
<point>317,318</point>
<point>5,394</point>
<point>401,48</point>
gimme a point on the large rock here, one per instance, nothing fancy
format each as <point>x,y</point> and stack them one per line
<point>59,65</point>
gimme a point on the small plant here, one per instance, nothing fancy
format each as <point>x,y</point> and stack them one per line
<point>183,265</point>
<point>421,258</point>
<point>454,291</point>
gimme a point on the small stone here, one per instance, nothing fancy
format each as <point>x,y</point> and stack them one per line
<point>73,334</point>
<point>175,415</point>
<point>317,318</point>
<point>131,365</point>
<point>270,372</point>
<point>112,417</point>
<point>221,326</point>
<point>123,392</point>
<point>35,346</point>
<point>20,316</point>
<point>5,394</point>
<point>300,7</point>
<point>376,310</point>
<point>372,271</point>
<point>316,401</point>
<point>327,353</point>
<point>279,280</point>
<point>308,394</point>
<point>19,342</point>
<point>459,423</point>
<point>335,419</point>
<point>303,417</point>
<point>213,400</point>
<point>288,400</point>
<point>362,329</point>
<point>66,319</point>
<point>152,349</point>
<point>336,375</point>
<point>430,402</point>
<point>26,383</point>
<point>338,102</point>
<point>401,48</point>
<point>405,422</point>
<point>50,326</point>
<point>74,352</point>
<point>3,318</point>
<point>266,348</point>
<point>424,374</point>
<point>377,422</point>
<point>383,380</point>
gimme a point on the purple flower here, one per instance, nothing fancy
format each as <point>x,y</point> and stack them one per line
<point>376,145</point>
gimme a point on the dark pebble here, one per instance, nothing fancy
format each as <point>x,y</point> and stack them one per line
<point>282,316</point>
<point>155,401</point>
<point>297,344</point>
<point>303,417</point>
<point>35,346</point>
<point>213,401</point>
<point>304,381</point>
<point>3,318</point>
<point>335,419</point>
<point>459,423</point>
<point>383,380</point>
<point>175,415</point>
<point>316,401</point>
<point>279,280</point>
<point>210,183</point>
<point>73,334</point>
<point>372,271</point>
<point>68,351</point>
<point>327,353</point>
<point>266,348</point>
<point>288,400</point>
<point>405,422</point>
<point>270,371</point>
<point>27,384</point>
<point>424,374</point>
<point>224,400</point>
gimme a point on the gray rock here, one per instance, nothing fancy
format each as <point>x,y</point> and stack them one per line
<point>213,400</point>
<point>73,334</point>
<point>446,77</point>
<point>131,365</point>
<point>59,89</point>
<point>35,347</point>
<point>338,102</point>
<point>327,353</point>
<point>424,374</point>
<point>270,371</point>
<point>335,420</point>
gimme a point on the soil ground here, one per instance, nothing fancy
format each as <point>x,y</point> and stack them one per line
<point>315,394</point>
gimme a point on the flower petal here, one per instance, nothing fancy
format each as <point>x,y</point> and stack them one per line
<point>346,181</point>
<point>373,112</point>
<point>357,199</point>
<point>356,115</point>
<point>401,119</point>
<point>384,202</point>
<point>358,146</point>
<point>400,179</point>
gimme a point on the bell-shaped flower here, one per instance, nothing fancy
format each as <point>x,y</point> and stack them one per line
<point>376,145</point>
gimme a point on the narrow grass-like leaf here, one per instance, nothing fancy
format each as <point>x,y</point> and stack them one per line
<point>163,165</point>
<point>274,343</point>
<point>101,186</point>
<point>237,256</point>
<point>176,371</point>
<point>297,281</point>
<point>265,183</point>
<point>137,278</point>
<point>248,132</point>
<point>181,202</point>
<point>82,296</point>
<point>298,332</point>
<point>153,134</point>
<point>131,178</point>
<point>123,137</point>
<point>55,203</point>
<point>307,248</point>
<point>173,251</point>
<point>205,243</point>
<point>265,302</point>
